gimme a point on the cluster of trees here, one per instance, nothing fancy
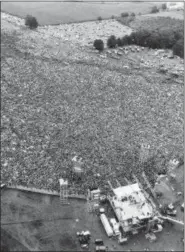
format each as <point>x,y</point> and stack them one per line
<point>112,42</point>
<point>126,14</point>
<point>165,38</point>
<point>154,9</point>
<point>31,22</point>
<point>164,6</point>
<point>125,18</point>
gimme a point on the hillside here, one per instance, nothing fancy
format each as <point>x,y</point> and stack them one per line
<point>76,101</point>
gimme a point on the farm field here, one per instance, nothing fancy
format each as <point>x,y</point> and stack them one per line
<point>56,225</point>
<point>58,13</point>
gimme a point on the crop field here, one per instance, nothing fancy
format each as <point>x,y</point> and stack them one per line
<point>79,102</point>
<point>58,13</point>
<point>50,226</point>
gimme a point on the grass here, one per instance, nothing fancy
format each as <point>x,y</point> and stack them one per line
<point>56,233</point>
<point>152,22</point>
<point>56,12</point>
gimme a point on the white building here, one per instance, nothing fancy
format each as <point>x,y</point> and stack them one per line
<point>175,5</point>
<point>132,209</point>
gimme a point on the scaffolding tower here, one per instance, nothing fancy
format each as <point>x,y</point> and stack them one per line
<point>93,198</point>
<point>64,191</point>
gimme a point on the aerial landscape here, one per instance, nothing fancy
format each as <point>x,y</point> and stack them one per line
<point>92,150</point>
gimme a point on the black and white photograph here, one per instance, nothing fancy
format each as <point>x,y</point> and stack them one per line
<point>92,126</point>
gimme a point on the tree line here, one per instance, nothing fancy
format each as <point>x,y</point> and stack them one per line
<point>171,37</point>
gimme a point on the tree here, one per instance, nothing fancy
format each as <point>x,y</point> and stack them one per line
<point>113,17</point>
<point>99,45</point>
<point>178,48</point>
<point>154,40</point>
<point>164,6</point>
<point>99,18</point>
<point>126,40</point>
<point>124,14</point>
<point>119,42</point>
<point>154,9</point>
<point>31,22</point>
<point>133,38</point>
<point>112,42</point>
<point>167,38</point>
<point>132,14</point>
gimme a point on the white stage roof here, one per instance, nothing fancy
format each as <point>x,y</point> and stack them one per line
<point>130,202</point>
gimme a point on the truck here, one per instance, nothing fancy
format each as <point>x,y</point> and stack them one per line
<point>100,249</point>
<point>115,226</point>
<point>100,246</point>
<point>106,225</point>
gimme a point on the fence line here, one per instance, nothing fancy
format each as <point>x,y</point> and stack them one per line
<point>44,191</point>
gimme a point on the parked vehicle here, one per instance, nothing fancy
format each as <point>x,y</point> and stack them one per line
<point>106,225</point>
<point>182,207</point>
<point>100,246</point>
<point>99,242</point>
<point>100,249</point>
<point>84,238</point>
<point>122,240</point>
<point>115,226</point>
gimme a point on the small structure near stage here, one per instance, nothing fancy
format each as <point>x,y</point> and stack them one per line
<point>64,191</point>
<point>77,166</point>
<point>93,199</point>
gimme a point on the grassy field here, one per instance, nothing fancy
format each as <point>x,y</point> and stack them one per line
<point>155,22</point>
<point>56,230</point>
<point>159,24</point>
<point>57,12</point>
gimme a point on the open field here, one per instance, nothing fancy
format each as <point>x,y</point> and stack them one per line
<point>56,225</point>
<point>58,13</point>
<point>8,243</point>
<point>154,22</point>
